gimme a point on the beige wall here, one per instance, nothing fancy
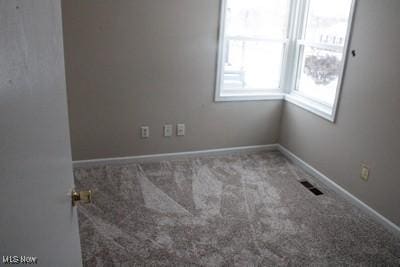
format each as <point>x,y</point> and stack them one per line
<point>135,62</point>
<point>149,62</point>
<point>368,123</point>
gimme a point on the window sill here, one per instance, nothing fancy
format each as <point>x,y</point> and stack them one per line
<point>247,97</point>
<point>305,103</point>
<point>312,106</point>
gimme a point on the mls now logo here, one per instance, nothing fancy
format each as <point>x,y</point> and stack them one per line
<point>20,260</point>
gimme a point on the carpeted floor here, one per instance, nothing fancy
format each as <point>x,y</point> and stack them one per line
<point>237,210</point>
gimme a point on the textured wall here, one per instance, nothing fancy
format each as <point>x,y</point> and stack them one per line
<point>368,123</point>
<point>135,62</point>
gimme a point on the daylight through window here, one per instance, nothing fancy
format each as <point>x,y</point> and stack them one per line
<point>273,47</point>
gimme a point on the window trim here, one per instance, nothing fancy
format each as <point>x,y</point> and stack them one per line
<point>290,63</point>
<point>308,103</point>
<point>221,52</point>
<point>264,94</point>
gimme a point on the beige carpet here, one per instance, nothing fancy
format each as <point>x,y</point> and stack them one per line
<point>237,210</point>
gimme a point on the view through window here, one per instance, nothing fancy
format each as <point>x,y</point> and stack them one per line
<point>254,43</point>
<point>291,46</point>
<point>322,49</point>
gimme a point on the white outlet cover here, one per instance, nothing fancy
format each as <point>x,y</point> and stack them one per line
<point>364,172</point>
<point>168,130</point>
<point>180,129</point>
<point>144,132</point>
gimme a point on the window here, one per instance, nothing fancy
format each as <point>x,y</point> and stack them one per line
<point>272,48</point>
<point>254,38</point>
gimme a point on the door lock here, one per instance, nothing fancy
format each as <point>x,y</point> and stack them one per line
<point>82,196</point>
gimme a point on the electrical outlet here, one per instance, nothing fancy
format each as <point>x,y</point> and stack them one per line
<point>144,132</point>
<point>167,130</point>
<point>364,172</point>
<point>180,129</point>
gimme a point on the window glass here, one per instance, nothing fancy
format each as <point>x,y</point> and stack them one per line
<point>327,21</point>
<point>321,54</point>
<point>273,48</point>
<point>320,70</point>
<point>257,18</point>
<point>252,64</point>
<point>255,37</point>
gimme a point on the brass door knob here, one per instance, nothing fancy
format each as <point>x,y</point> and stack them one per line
<point>82,196</point>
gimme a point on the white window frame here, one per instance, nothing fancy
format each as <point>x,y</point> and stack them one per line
<point>290,65</point>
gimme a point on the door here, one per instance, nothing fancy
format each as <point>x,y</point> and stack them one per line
<point>36,216</point>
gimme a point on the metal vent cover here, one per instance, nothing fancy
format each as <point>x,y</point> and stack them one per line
<point>312,188</point>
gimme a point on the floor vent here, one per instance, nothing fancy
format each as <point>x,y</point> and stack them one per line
<point>307,184</point>
<point>310,187</point>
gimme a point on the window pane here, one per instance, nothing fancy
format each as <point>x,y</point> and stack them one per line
<point>257,18</point>
<point>252,65</point>
<point>327,21</point>
<point>319,74</point>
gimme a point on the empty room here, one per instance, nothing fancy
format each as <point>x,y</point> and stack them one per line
<point>199,133</point>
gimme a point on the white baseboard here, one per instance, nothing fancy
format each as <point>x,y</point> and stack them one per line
<point>171,156</point>
<point>395,229</point>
